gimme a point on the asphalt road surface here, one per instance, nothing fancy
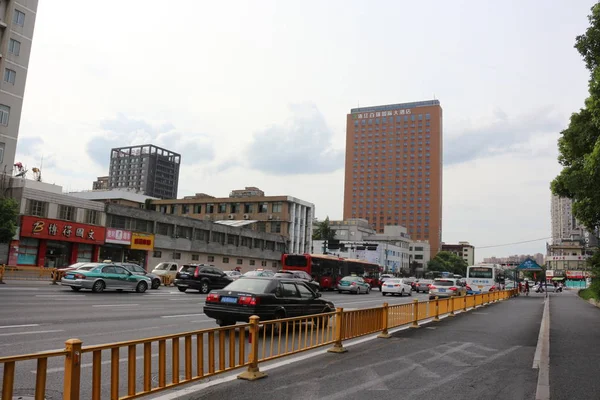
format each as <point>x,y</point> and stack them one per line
<point>37,317</point>
<point>483,354</point>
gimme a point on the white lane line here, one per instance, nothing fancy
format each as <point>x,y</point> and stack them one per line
<point>115,305</point>
<point>180,300</point>
<point>181,315</point>
<point>202,320</point>
<point>18,326</point>
<point>59,296</point>
<point>542,391</point>
<point>29,333</point>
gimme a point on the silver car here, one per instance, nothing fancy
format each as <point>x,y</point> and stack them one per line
<point>105,276</point>
<point>137,270</point>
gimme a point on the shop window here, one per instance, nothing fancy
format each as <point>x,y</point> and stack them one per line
<point>201,234</point>
<point>184,232</point>
<point>84,252</point>
<point>225,260</point>
<point>176,256</point>
<point>195,257</point>
<point>91,217</point>
<point>263,263</point>
<point>28,250</point>
<point>211,258</point>
<point>277,207</point>
<point>252,262</point>
<point>157,254</point>
<point>164,229</point>
<point>67,213</point>
<point>239,261</point>
<point>37,208</point>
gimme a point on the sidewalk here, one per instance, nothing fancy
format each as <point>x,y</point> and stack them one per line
<point>483,354</point>
<point>574,348</point>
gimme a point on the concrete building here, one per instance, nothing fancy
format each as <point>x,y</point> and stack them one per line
<point>568,255</point>
<point>420,255</point>
<point>393,170</point>
<point>114,196</point>
<point>463,250</point>
<point>156,237</point>
<point>351,229</point>
<point>281,215</point>
<point>17,22</point>
<point>55,230</point>
<point>563,221</point>
<point>101,183</point>
<point>149,169</point>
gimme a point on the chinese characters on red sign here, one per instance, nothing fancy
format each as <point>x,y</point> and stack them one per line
<point>61,230</point>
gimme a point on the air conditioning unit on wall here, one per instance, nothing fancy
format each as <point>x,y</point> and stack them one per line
<point>231,216</point>
<point>246,216</point>
<point>270,216</point>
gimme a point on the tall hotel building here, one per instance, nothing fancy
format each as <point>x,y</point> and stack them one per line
<point>394,168</point>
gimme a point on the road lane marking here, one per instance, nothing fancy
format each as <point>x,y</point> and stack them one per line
<point>181,315</point>
<point>18,326</point>
<point>29,333</point>
<point>542,359</point>
<point>115,305</point>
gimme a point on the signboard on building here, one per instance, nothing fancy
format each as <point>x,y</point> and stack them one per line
<point>68,231</point>
<point>142,241</point>
<point>118,236</point>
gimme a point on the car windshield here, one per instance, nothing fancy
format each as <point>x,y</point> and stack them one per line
<point>162,266</point>
<point>86,268</point>
<point>350,279</point>
<point>393,281</point>
<point>249,285</point>
<point>443,283</point>
<point>284,275</point>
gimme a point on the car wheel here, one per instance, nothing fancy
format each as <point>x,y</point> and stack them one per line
<point>402,293</point>
<point>182,289</point>
<point>368,290</point>
<point>339,291</point>
<point>204,288</point>
<point>156,283</point>
<point>141,287</point>
<point>98,286</point>
<point>383,293</point>
<point>75,289</point>
<point>410,293</point>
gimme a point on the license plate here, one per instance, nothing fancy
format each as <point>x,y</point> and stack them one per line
<point>70,276</point>
<point>228,299</point>
<point>184,276</point>
<point>389,285</point>
<point>442,290</point>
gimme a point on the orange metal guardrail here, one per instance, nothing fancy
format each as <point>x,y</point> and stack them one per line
<point>9,272</point>
<point>167,280</point>
<point>209,352</point>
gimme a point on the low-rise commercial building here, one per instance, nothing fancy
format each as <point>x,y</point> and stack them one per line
<point>55,229</point>
<point>280,215</point>
<point>463,250</point>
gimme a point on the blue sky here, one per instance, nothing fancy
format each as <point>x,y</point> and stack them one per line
<point>256,94</point>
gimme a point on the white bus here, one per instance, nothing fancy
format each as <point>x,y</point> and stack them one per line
<point>482,278</point>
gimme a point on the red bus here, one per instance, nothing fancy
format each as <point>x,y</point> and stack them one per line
<point>328,270</point>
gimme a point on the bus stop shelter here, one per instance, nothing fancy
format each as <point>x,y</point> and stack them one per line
<point>529,265</point>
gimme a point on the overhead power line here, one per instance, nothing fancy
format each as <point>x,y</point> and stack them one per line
<point>510,244</point>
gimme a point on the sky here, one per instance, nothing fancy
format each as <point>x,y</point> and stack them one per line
<point>256,94</point>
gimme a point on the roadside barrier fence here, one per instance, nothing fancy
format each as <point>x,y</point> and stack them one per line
<point>155,364</point>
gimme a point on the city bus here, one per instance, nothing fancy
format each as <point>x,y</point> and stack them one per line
<point>481,278</point>
<point>328,270</point>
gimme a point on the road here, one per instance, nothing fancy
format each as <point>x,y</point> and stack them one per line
<point>38,317</point>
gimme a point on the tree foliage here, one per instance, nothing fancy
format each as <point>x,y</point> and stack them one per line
<point>445,261</point>
<point>324,231</point>
<point>579,144</point>
<point>9,211</point>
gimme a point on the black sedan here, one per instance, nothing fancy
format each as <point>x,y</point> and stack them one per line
<point>300,275</point>
<point>267,297</point>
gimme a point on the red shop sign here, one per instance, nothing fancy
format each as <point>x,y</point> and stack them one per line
<point>54,229</point>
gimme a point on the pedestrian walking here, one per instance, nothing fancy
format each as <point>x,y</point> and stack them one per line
<point>526,288</point>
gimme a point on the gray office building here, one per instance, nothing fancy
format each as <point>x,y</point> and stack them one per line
<point>17,20</point>
<point>147,169</point>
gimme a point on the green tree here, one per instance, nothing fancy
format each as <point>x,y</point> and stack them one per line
<point>324,231</point>
<point>579,144</point>
<point>445,261</point>
<point>9,211</point>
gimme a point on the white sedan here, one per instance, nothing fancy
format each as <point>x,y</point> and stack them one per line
<point>396,286</point>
